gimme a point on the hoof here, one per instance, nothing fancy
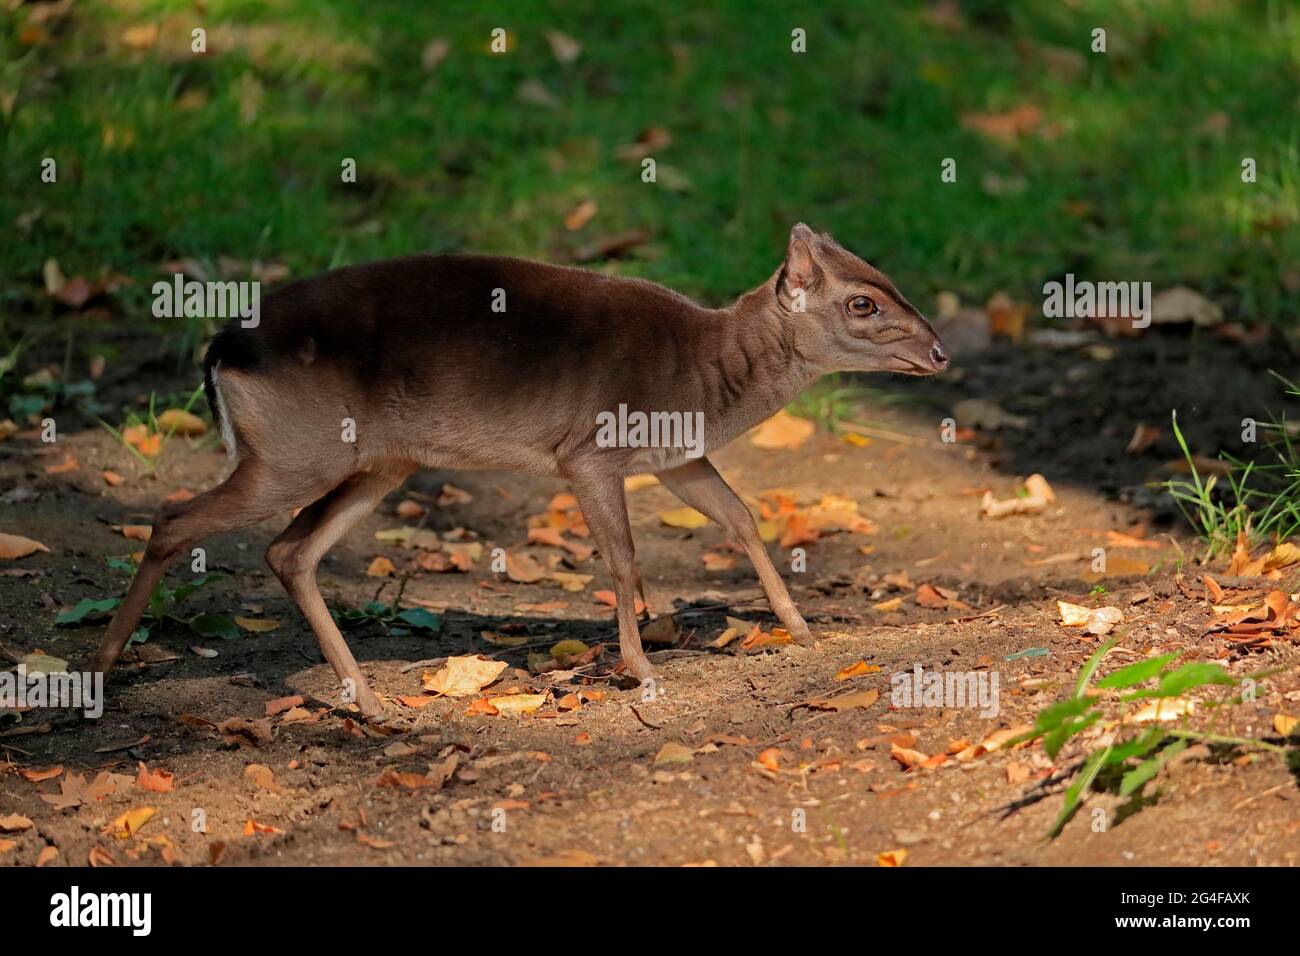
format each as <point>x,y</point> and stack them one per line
<point>370,706</point>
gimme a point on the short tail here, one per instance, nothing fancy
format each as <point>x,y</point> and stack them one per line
<point>233,349</point>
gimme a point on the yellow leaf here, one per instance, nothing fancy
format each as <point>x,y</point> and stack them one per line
<point>515,704</point>
<point>571,582</point>
<point>569,647</point>
<point>1283,556</point>
<point>683,518</point>
<point>782,430</point>
<point>257,625</point>
<point>1073,615</point>
<point>851,438</point>
<point>129,823</point>
<point>893,604</point>
<point>1285,724</point>
<point>181,422</point>
<point>464,676</point>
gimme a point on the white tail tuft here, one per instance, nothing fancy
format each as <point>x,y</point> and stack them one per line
<point>227,428</point>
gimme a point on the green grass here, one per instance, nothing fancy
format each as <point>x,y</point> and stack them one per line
<point>1261,498</point>
<point>1128,183</point>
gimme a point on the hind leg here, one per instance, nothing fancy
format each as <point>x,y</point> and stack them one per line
<point>245,498</point>
<point>296,553</point>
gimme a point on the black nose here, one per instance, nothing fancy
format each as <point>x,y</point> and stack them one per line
<point>938,358</point>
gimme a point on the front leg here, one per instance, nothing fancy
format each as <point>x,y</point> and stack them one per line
<point>603,505</point>
<point>699,485</point>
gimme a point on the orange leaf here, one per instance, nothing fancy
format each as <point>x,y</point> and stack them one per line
<point>156,781</point>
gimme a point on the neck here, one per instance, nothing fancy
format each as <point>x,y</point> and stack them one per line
<point>757,363</point>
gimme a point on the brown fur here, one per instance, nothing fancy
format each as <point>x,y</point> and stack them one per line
<point>411,351</point>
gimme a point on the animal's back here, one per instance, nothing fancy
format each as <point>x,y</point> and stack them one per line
<point>482,360</point>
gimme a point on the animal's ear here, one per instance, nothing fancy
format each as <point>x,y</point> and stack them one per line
<point>800,274</point>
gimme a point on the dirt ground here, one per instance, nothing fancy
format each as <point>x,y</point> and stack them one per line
<point>584,786</point>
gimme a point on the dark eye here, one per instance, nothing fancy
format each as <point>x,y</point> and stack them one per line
<point>862,305</point>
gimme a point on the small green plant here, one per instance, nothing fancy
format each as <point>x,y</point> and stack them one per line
<point>392,618</point>
<point>1134,755</point>
<point>1097,590</point>
<point>1262,500</point>
<point>145,436</point>
<point>832,402</point>
<point>163,605</point>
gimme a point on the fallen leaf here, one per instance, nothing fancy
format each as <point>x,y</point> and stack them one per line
<point>16,546</point>
<point>252,827</point>
<point>683,517</point>
<point>281,704</point>
<point>100,857</point>
<point>129,823</point>
<point>522,568</point>
<point>857,670</point>
<point>155,781</point>
<point>14,823</point>
<point>782,430</point>
<point>38,776</point>
<point>381,567</point>
<point>516,704</point>
<point>861,698</point>
<point>1165,708</point>
<point>891,858</point>
<point>180,422</point>
<point>464,676</point>
<point>674,753</point>
<point>907,757</point>
<point>257,625</point>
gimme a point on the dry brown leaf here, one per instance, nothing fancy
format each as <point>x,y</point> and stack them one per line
<point>464,676</point>
<point>860,698</point>
<point>37,776</point>
<point>523,568</point>
<point>381,567</point>
<point>256,625</point>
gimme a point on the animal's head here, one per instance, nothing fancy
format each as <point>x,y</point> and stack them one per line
<point>848,316</point>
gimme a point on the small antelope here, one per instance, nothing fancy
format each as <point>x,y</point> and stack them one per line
<point>486,362</point>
